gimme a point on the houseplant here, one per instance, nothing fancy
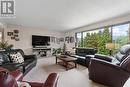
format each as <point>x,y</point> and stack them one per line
<point>5,46</point>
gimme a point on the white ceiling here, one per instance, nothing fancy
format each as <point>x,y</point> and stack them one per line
<point>66,14</point>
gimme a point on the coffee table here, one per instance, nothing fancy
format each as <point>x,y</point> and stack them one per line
<point>67,61</point>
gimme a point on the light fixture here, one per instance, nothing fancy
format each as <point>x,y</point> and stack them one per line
<point>110,46</point>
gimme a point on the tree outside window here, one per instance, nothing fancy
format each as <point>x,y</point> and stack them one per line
<point>98,38</point>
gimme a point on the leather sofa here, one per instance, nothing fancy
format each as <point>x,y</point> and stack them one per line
<point>83,55</point>
<point>29,61</point>
<point>7,79</point>
<point>111,71</point>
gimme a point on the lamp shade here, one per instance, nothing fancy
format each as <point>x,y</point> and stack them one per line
<point>110,46</point>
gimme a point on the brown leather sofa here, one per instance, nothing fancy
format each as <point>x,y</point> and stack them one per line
<point>111,71</point>
<point>8,79</point>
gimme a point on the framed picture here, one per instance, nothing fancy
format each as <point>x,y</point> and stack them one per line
<point>67,39</point>
<point>16,35</point>
<point>16,31</point>
<point>9,33</point>
<point>53,39</point>
<point>13,38</point>
<point>58,40</point>
<point>71,39</point>
<point>61,39</point>
<point>17,39</point>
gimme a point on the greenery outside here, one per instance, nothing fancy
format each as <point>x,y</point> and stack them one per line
<point>98,39</point>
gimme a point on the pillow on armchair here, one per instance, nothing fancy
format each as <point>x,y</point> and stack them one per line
<point>16,57</point>
<point>23,84</point>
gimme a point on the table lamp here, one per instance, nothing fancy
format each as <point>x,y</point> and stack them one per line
<point>110,46</point>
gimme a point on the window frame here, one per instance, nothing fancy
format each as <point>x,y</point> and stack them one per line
<point>110,26</point>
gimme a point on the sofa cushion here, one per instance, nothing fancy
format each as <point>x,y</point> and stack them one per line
<point>28,63</point>
<point>125,64</point>
<point>3,58</point>
<point>125,49</point>
<point>16,57</point>
<point>85,51</point>
<point>119,56</point>
<point>123,53</point>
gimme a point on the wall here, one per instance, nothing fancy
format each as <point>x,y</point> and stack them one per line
<point>117,20</point>
<point>25,35</point>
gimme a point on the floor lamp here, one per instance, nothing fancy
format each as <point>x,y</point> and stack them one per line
<point>110,46</point>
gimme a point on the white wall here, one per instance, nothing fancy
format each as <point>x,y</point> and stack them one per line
<point>25,35</point>
<point>117,20</point>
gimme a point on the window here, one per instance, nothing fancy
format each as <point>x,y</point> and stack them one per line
<point>90,38</point>
<point>1,35</point>
<point>99,37</point>
<point>79,39</point>
<point>120,34</point>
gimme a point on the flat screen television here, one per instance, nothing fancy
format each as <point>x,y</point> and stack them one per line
<point>40,40</point>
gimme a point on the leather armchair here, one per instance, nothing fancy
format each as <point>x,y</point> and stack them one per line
<point>104,70</point>
<point>17,74</point>
<point>8,80</point>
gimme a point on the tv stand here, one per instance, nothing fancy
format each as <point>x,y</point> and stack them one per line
<point>42,51</point>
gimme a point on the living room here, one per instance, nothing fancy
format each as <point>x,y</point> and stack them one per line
<point>75,43</point>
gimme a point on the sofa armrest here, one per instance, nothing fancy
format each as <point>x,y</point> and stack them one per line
<point>30,56</point>
<point>103,57</point>
<point>51,80</point>
<point>17,74</point>
<point>14,64</point>
<point>106,73</point>
<point>94,62</point>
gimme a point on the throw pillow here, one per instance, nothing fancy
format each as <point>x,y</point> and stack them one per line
<point>23,84</point>
<point>16,57</point>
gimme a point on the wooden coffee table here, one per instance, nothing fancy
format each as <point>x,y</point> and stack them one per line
<point>66,61</point>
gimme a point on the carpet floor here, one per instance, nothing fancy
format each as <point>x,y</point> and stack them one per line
<point>77,77</point>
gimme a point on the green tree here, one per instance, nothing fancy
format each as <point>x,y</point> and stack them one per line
<point>98,40</point>
<point>104,38</point>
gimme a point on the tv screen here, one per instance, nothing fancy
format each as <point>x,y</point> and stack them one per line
<point>40,40</point>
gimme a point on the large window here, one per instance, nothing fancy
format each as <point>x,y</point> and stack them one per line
<point>99,37</point>
<point>79,40</point>
<point>1,35</point>
<point>120,34</point>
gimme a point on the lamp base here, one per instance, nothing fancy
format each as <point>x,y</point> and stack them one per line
<point>110,52</point>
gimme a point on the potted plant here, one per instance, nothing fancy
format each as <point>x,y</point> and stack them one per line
<point>57,51</point>
<point>5,46</point>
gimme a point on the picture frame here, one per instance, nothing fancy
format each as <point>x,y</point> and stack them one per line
<point>16,31</point>
<point>17,39</point>
<point>16,35</point>
<point>9,33</point>
<point>13,38</point>
<point>61,39</point>
<point>53,39</point>
<point>67,39</point>
<point>57,40</point>
<point>71,39</point>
